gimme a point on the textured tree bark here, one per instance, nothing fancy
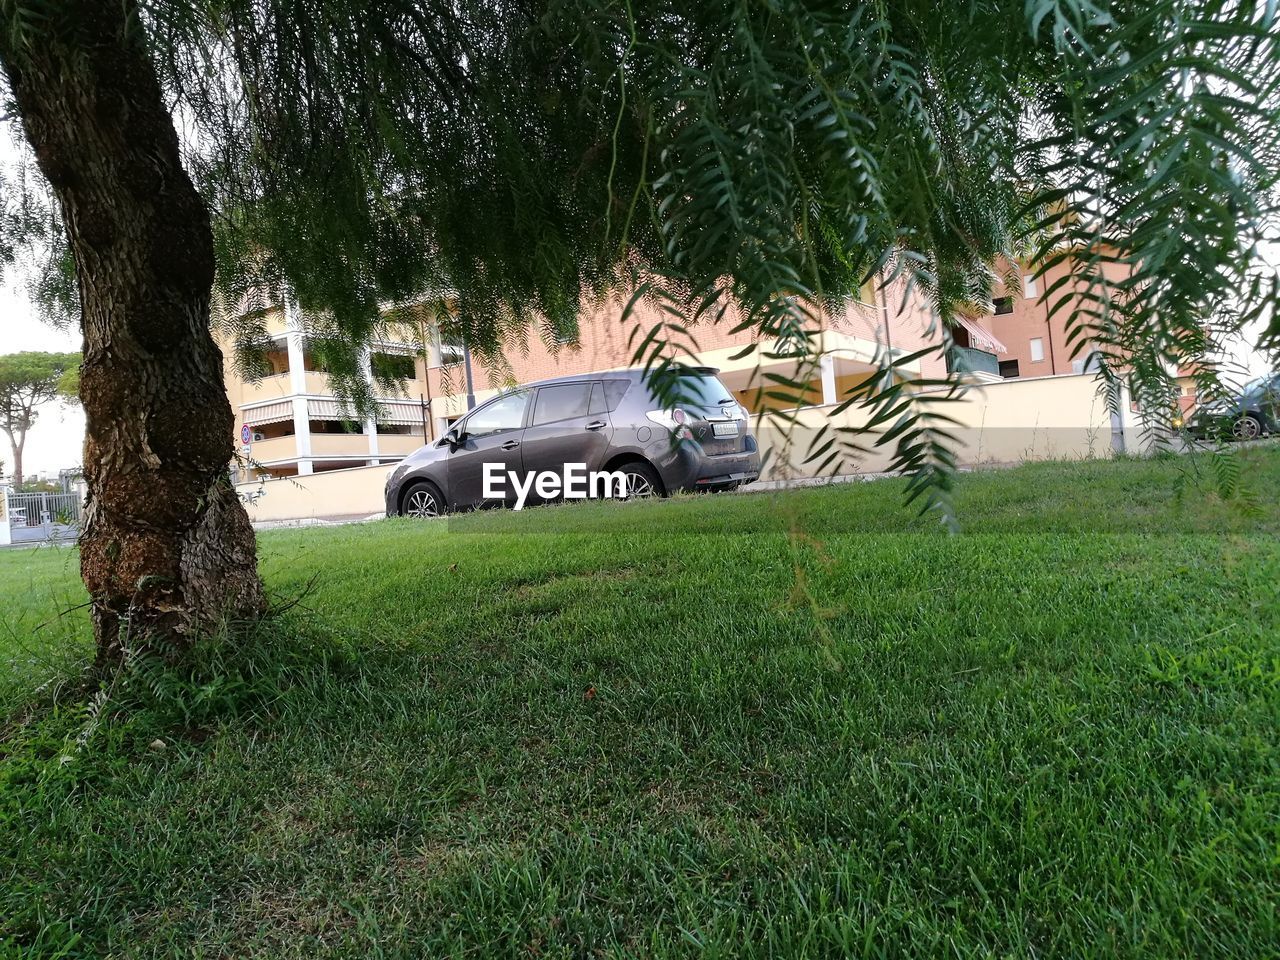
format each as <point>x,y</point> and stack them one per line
<point>16,472</point>
<point>167,549</point>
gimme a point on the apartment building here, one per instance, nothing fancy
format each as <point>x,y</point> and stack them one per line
<point>849,344</point>
<point>291,422</point>
<point>1025,340</point>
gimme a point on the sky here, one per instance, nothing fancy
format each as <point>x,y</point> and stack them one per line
<point>58,435</point>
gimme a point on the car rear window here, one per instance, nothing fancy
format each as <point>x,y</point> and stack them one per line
<point>703,391</point>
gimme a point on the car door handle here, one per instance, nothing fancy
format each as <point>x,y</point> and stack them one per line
<point>596,425</point>
<point>511,445</point>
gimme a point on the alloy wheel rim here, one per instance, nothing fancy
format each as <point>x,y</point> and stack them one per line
<point>1244,429</point>
<point>422,505</point>
<point>638,487</point>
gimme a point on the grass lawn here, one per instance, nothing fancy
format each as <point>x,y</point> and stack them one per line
<point>671,729</point>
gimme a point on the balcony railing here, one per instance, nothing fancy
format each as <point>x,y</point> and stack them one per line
<point>974,361</point>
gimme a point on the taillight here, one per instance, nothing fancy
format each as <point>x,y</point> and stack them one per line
<point>673,420</point>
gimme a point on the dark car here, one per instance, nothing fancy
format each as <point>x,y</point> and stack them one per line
<point>1254,412</point>
<point>608,421</point>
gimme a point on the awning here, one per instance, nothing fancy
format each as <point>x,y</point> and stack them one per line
<point>400,413</point>
<point>328,410</point>
<point>269,413</point>
<point>981,339</point>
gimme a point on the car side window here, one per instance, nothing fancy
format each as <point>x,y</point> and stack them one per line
<point>614,391</point>
<point>599,405</point>
<point>505,413</point>
<point>563,401</point>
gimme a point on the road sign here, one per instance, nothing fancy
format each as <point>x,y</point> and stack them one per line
<point>246,435</point>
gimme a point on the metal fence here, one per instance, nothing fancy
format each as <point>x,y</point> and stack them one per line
<point>44,516</point>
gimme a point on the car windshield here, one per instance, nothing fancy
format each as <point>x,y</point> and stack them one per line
<point>1256,386</point>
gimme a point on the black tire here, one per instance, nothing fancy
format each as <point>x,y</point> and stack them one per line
<point>423,500</point>
<point>1247,427</point>
<point>643,479</point>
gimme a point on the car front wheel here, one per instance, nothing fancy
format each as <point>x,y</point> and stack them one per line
<point>422,502</point>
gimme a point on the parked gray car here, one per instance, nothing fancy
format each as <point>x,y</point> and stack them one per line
<point>608,421</point>
<point>1253,412</point>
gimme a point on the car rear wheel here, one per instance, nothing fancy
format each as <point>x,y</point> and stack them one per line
<point>1247,427</point>
<point>422,502</point>
<point>643,482</point>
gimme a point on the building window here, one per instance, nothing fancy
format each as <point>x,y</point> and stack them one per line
<point>1008,369</point>
<point>1003,304</point>
<point>448,354</point>
<point>1037,350</point>
<point>1029,289</point>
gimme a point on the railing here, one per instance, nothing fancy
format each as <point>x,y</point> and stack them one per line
<point>43,516</point>
<point>974,361</point>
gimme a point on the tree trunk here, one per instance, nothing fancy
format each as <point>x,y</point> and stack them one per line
<point>17,461</point>
<point>167,549</point>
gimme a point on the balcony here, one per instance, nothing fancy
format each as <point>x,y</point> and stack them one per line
<point>268,388</point>
<point>274,449</point>
<point>399,444</point>
<point>969,360</point>
<point>340,445</point>
<point>317,383</point>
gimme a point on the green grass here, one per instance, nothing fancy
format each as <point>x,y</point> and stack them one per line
<point>669,729</point>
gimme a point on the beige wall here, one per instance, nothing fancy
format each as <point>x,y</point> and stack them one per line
<point>340,445</point>
<point>1010,421</point>
<point>276,448</point>
<point>334,493</point>
<point>398,444</point>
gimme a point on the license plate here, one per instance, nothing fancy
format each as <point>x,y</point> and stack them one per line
<point>724,429</point>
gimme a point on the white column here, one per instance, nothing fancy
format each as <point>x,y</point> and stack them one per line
<point>370,423</point>
<point>297,361</point>
<point>827,364</point>
<point>5,535</point>
<point>302,434</point>
<point>1119,427</point>
<point>295,344</point>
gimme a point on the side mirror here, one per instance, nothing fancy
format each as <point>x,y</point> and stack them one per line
<point>455,437</point>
